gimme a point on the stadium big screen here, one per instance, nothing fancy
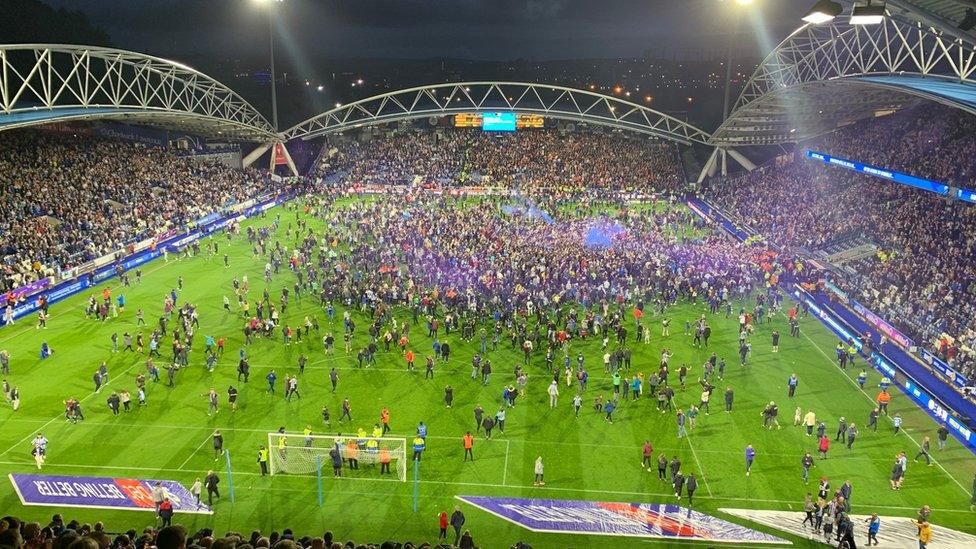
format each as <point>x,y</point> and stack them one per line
<point>499,122</point>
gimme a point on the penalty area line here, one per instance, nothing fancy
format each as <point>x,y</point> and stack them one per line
<point>189,457</point>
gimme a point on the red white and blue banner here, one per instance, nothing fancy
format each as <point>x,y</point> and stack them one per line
<point>102,493</point>
<point>643,520</point>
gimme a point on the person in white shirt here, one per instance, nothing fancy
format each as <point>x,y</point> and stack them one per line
<point>538,472</point>
<point>553,394</point>
<point>40,443</point>
<point>158,495</point>
<point>39,449</point>
<point>196,489</point>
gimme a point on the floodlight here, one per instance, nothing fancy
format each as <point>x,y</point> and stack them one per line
<point>871,13</point>
<point>823,11</point>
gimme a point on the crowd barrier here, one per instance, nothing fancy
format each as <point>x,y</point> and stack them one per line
<point>933,395</point>
<point>102,269</point>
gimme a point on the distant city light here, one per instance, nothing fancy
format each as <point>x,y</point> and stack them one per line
<point>320,88</point>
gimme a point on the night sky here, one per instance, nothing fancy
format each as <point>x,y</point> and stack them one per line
<point>474,29</point>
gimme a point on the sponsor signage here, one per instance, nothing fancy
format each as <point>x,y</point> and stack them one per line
<point>883,326</point>
<point>102,493</point>
<point>32,288</point>
<point>940,366</point>
<point>891,175</point>
<point>643,520</point>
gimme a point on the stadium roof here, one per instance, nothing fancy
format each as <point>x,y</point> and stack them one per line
<point>520,97</point>
<point>825,76</point>
<point>44,83</point>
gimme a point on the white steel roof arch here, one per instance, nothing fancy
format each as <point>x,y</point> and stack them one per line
<point>794,93</point>
<point>472,97</point>
<point>70,81</point>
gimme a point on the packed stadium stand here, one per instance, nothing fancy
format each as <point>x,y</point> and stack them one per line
<point>529,159</point>
<point>74,198</point>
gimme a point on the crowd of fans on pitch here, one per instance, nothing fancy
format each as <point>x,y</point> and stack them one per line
<point>58,534</point>
<point>923,280</point>
<point>486,259</point>
<point>68,200</point>
<point>526,159</point>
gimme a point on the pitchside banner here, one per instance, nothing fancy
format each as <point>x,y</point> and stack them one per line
<point>644,520</point>
<point>102,493</point>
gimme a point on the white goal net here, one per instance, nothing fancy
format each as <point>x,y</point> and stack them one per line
<point>362,457</point>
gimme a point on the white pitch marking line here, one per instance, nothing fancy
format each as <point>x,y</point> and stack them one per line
<point>189,457</point>
<point>508,445</point>
<point>701,471</point>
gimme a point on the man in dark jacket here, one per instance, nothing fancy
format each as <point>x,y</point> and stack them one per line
<point>113,403</point>
<point>679,482</point>
<point>211,481</point>
<point>691,484</point>
<point>457,521</point>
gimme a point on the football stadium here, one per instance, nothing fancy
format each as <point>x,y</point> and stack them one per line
<point>412,293</point>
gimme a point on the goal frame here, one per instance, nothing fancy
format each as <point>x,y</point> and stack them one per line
<point>323,444</point>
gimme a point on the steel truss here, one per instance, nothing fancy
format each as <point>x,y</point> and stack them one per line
<point>792,96</point>
<point>471,97</point>
<point>42,83</point>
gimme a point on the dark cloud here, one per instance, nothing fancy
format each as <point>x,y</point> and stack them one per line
<point>495,29</point>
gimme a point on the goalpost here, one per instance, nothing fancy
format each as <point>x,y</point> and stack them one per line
<point>297,454</point>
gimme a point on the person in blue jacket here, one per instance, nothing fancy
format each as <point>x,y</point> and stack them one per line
<point>46,350</point>
<point>874,524</point>
<point>272,377</point>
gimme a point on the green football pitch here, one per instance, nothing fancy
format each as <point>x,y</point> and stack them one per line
<point>586,458</point>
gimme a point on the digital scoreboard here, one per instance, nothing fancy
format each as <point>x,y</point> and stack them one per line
<point>499,121</point>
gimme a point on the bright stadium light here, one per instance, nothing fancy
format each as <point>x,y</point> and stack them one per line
<point>871,13</point>
<point>271,38</point>
<point>728,57</point>
<point>823,11</point>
